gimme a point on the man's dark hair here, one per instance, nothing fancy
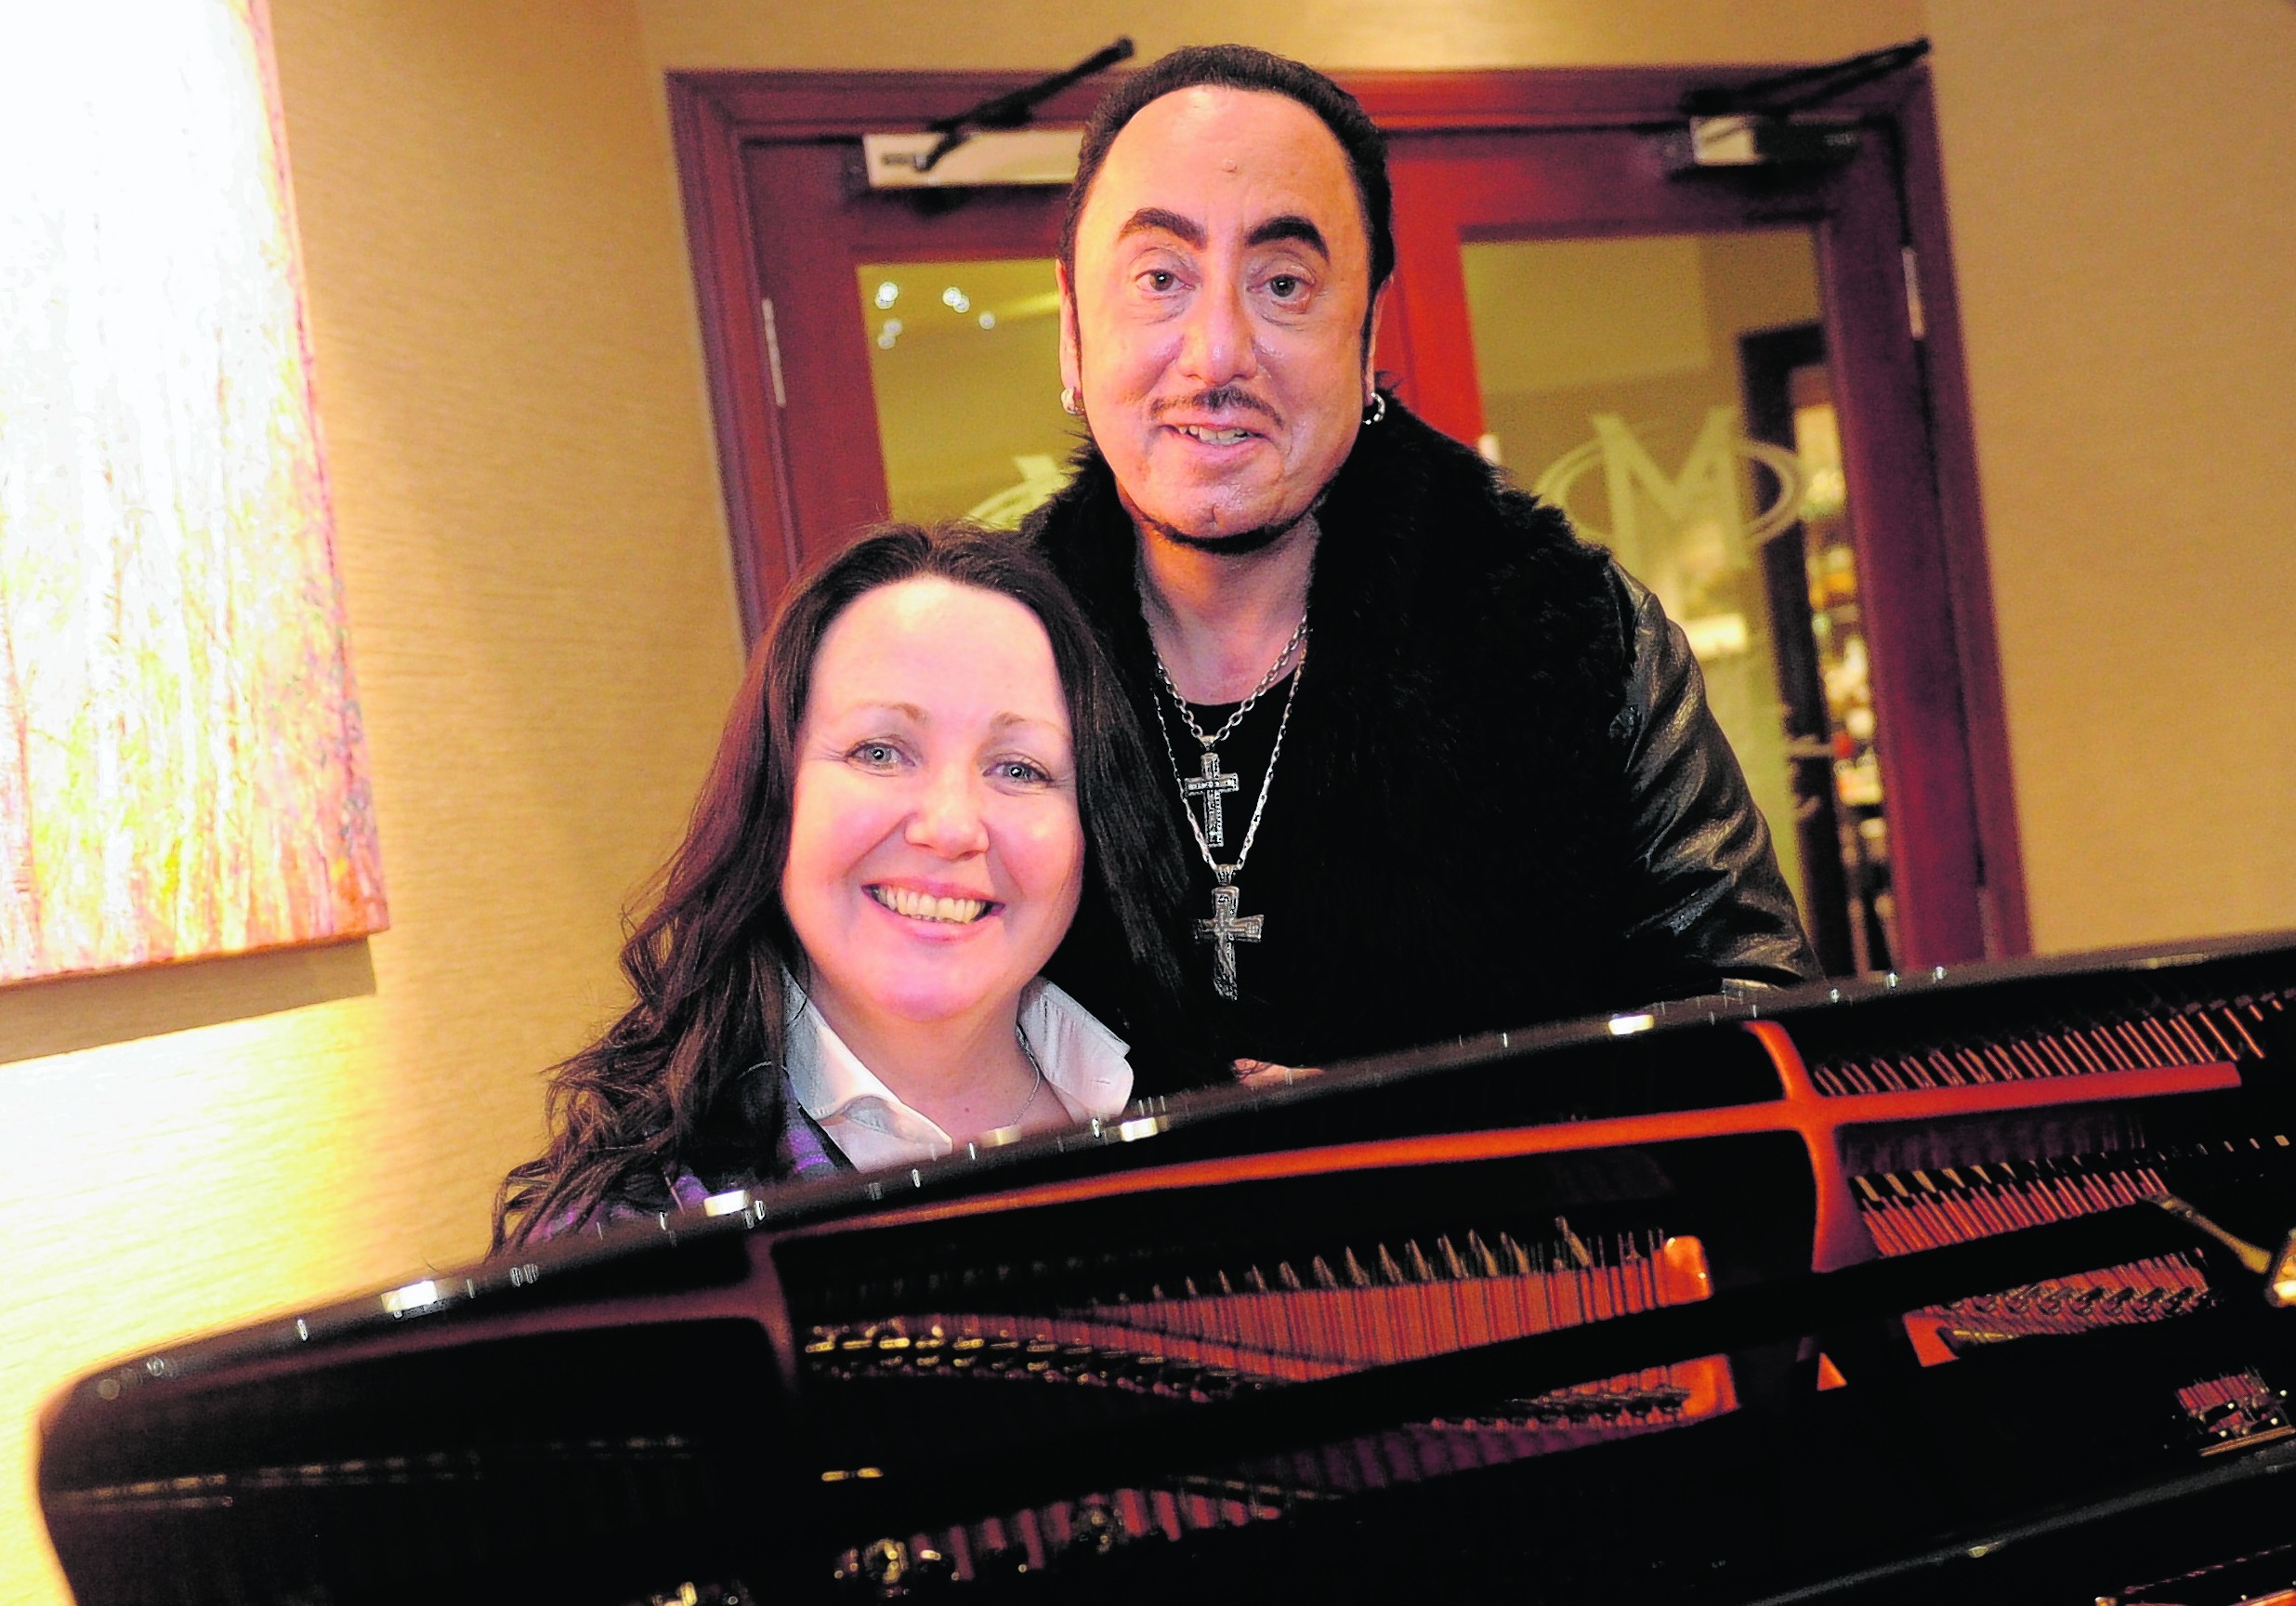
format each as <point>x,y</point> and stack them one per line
<point>1241,67</point>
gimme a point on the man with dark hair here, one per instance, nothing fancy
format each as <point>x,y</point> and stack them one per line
<point>1445,768</point>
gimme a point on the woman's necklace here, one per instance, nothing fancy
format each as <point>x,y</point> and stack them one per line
<point>1227,927</point>
<point>1012,1129</point>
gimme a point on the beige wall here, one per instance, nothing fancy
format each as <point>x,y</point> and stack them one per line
<point>1332,34</point>
<point>543,622</point>
<point>2122,183</point>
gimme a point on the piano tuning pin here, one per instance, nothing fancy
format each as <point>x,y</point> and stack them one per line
<point>1320,1269</point>
<point>1189,1283</point>
<point>1480,1252</point>
<point>1255,1280</point>
<point>1572,1242</point>
<point>1452,1265</point>
<point>1389,1271</point>
<point>1356,1276</point>
<point>1094,1530</point>
<point>1287,1279</point>
<point>1226,1287</point>
<point>888,1567</point>
<point>1415,1262</point>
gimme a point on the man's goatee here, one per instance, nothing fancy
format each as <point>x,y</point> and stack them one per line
<point>1237,543</point>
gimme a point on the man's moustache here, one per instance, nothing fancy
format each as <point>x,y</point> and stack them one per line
<point>1219,399</point>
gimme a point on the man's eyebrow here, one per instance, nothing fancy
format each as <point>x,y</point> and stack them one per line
<point>1291,226</point>
<point>1157,218</point>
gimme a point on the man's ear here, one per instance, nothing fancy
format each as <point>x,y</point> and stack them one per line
<point>1370,342</point>
<point>1072,363</point>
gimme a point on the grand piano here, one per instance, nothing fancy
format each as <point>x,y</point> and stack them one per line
<point>1960,1286</point>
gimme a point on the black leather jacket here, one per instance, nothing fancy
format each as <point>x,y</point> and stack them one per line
<point>1503,798</point>
<point>1711,888</point>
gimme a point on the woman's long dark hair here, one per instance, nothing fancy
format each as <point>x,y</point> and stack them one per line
<point>690,1077</point>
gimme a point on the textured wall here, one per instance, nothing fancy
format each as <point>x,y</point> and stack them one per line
<point>2123,193</point>
<point>1333,33</point>
<point>542,623</point>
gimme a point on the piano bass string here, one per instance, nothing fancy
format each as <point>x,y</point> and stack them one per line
<point>1208,1339</point>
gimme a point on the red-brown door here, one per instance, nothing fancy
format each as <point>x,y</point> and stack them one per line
<point>1554,190</point>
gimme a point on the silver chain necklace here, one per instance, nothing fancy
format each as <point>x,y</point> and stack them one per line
<point>1210,783</point>
<point>1226,928</point>
<point>1188,715</point>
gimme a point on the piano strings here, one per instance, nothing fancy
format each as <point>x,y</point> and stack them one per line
<point>2154,1038</point>
<point>1317,1316</point>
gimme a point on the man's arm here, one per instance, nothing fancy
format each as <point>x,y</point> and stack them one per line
<point>1708,905</point>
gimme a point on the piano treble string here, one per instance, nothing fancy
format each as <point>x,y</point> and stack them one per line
<point>2153,1033</point>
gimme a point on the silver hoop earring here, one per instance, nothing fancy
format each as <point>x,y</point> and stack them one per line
<point>1376,410</point>
<point>1069,403</point>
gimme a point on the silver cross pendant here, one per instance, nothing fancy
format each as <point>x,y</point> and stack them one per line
<point>1209,785</point>
<point>1225,930</point>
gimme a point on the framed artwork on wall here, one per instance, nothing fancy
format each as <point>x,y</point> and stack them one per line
<point>183,769</point>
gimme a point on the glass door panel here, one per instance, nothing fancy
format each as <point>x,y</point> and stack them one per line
<point>1616,379</point>
<point>913,351</point>
<point>964,360</point>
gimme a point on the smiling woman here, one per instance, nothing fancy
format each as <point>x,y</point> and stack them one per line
<point>926,766</point>
<point>934,845</point>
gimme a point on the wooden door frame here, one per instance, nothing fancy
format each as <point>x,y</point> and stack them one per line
<point>714,115</point>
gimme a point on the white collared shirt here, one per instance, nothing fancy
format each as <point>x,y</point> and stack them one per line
<point>1084,1064</point>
